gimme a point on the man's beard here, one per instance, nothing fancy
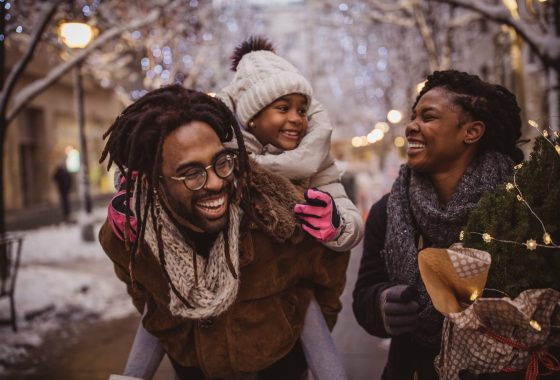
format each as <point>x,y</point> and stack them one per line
<point>194,216</point>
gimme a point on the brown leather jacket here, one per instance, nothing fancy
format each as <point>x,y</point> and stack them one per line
<point>277,281</point>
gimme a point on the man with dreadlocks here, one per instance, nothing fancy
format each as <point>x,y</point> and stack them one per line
<point>216,268</point>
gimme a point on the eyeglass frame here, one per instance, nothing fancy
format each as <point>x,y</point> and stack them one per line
<point>219,155</point>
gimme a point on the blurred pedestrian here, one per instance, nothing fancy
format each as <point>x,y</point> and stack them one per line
<point>462,141</point>
<point>63,180</point>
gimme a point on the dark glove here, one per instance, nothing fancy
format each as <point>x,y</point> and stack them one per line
<point>399,309</point>
<point>319,215</point>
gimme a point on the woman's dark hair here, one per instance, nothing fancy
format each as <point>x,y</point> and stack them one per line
<point>492,104</point>
<point>135,142</point>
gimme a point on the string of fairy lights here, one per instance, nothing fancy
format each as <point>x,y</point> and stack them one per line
<point>530,244</point>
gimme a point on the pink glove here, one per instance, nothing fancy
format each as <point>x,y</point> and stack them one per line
<point>117,212</point>
<point>318,215</point>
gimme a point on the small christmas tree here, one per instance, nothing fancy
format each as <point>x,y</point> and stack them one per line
<point>519,224</point>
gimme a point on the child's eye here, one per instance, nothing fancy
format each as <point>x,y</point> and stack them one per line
<point>282,108</point>
<point>303,111</point>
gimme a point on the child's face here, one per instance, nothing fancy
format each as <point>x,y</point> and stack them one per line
<point>283,123</point>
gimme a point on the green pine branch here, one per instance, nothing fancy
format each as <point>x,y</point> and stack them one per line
<point>515,268</point>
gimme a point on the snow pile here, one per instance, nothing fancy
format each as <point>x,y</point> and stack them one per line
<point>60,279</point>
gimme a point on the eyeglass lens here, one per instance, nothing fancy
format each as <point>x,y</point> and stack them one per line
<point>223,167</point>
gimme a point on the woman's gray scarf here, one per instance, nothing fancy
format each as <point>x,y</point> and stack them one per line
<point>413,209</point>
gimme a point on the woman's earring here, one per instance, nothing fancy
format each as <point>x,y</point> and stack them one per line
<point>251,124</point>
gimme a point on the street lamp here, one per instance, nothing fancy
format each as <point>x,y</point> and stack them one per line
<point>78,35</point>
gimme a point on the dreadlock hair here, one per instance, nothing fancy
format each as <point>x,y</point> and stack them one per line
<point>135,141</point>
<point>492,104</point>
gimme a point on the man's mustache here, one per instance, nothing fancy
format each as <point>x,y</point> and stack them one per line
<point>225,190</point>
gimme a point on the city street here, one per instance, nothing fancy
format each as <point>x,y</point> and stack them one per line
<point>181,108</point>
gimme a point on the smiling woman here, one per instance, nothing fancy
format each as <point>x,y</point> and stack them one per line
<point>462,140</point>
<point>441,140</point>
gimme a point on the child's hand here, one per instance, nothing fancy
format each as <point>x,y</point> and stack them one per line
<point>117,212</point>
<point>319,215</point>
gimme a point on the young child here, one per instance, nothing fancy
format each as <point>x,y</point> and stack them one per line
<point>288,132</point>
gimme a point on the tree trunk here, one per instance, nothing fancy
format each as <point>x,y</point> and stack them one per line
<point>553,99</point>
<point>3,121</point>
<point>4,264</point>
<point>85,212</point>
<point>554,76</point>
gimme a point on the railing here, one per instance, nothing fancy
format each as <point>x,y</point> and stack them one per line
<point>10,254</point>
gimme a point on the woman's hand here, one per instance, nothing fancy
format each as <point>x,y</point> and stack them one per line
<point>399,310</point>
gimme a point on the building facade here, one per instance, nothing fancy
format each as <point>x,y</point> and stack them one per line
<point>45,135</point>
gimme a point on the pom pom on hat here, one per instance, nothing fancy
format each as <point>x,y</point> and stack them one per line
<point>261,77</point>
<point>253,43</point>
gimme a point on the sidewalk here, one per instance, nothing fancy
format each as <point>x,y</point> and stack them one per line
<point>44,215</point>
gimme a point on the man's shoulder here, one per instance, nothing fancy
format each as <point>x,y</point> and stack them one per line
<point>272,199</point>
<point>112,245</point>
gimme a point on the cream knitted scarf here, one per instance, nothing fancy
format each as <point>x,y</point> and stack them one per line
<point>217,288</point>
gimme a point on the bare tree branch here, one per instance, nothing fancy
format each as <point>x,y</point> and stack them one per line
<point>389,18</point>
<point>427,36</point>
<point>501,15</point>
<point>29,92</point>
<point>464,20</point>
<point>47,13</point>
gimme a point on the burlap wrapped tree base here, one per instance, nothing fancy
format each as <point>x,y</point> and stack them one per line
<point>501,334</point>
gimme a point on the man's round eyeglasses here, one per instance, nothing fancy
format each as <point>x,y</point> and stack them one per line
<point>196,176</point>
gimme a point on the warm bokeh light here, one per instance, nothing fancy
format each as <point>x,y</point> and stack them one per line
<point>75,34</point>
<point>356,142</point>
<point>394,116</point>
<point>375,136</point>
<point>212,94</point>
<point>399,141</point>
<point>420,86</point>
<point>512,6</point>
<point>382,126</point>
<point>72,159</point>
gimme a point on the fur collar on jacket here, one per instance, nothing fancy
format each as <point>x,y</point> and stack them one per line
<point>272,198</point>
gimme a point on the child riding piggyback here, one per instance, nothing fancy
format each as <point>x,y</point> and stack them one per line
<point>288,132</point>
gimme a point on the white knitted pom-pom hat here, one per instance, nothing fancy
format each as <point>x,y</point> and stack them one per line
<point>261,78</point>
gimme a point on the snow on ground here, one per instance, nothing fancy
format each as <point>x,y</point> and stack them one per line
<point>60,279</point>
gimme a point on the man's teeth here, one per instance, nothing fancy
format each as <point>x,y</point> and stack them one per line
<point>214,203</point>
<point>416,145</point>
